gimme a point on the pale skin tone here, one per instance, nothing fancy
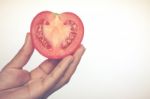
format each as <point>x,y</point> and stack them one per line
<point>45,79</point>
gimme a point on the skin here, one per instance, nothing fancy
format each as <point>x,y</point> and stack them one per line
<point>48,77</point>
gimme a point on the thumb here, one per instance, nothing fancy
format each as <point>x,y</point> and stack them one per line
<point>23,55</point>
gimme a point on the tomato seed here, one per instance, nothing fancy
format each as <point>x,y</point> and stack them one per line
<point>68,41</point>
<point>64,44</point>
<point>40,34</point>
<point>70,22</point>
<point>43,40</point>
<point>74,27</point>
<point>65,23</point>
<point>46,22</point>
<point>45,43</point>
<point>72,35</point>
<point>39,28</point>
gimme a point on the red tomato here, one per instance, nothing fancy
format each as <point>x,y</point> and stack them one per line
<point>56,35</point>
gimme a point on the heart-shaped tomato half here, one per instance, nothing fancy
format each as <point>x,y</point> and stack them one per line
<point>56,35</point>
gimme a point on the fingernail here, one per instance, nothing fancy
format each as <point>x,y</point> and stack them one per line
<point>83,49</point>
<point>26,39</point>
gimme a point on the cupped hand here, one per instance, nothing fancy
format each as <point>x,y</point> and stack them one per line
<point>49,76</point>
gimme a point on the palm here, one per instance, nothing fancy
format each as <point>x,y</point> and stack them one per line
<point>22,80</point>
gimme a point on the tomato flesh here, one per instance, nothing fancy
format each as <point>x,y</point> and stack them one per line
<point>56,35</point>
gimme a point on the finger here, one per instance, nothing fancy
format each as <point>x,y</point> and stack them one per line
<point>11,78</point>
<point>57,73</point>
<point>23,55</point>
<point>70,71</point>
<point>44,69</point>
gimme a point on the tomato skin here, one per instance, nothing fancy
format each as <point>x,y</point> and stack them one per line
<point>57,53</point>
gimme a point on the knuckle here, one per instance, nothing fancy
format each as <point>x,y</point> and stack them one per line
<point>67,81</point>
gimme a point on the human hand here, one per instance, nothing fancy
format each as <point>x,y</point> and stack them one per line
<point>49,76</point>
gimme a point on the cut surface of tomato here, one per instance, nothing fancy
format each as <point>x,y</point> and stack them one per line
<point>56,35</point>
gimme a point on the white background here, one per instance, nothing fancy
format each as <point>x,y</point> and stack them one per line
<point>116,64</point>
